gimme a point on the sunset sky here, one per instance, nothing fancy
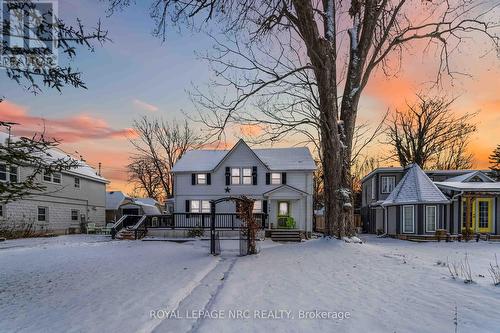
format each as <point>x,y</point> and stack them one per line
<point>136,75</point>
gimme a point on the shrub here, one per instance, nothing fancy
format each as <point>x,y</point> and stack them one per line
<point>198,232</point>
<point>495,272</point>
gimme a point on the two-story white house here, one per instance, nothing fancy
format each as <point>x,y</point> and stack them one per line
<point>70,198</point>
<point>279,179</point>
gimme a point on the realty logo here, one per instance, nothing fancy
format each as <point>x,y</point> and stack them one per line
<point>28,34</point>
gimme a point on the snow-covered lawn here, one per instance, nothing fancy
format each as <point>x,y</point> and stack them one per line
<point>80,283</point>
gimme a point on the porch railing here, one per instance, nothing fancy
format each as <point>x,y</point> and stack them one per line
<point>231,221</point>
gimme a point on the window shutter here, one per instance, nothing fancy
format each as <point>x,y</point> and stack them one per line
<point>268,178</point>
<point>187,206</point>
<point>209,179</point>
<point>283,178</point>
<point>228,176</point>
<point>193,179</point>
<point>254,175</point>
<point>264,206</point>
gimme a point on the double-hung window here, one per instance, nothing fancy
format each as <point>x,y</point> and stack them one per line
<point>430,218</point>
<point>77,182</point>
<point>275,178</point>
<point>74,214</point>
<point>42,214</point>
<point>408,219</point>
<point>247,176</point>
<point>235,176</point>
<point>387,183</point>
<point>257,206</point>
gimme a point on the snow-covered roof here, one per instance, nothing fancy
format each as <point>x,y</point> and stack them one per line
<point>115,199</point>
<point>147,209</point>
<point>82,170</point>
<point>470,186</point>
<point>415,188</point>
<point>147,201</point>
<point>294,158</point>
<point>470,175</point>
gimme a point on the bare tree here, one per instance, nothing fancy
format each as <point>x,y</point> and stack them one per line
<point>161,144</point>
<point>307,38</point>
<point>430,134</point>
<point>144,176</point>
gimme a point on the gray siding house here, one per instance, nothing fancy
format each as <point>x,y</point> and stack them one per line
<point>408,201</point>
<point>70,197</point>
<point>279,179</point>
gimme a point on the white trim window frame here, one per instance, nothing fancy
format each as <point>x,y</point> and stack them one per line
<point>235,176</point>
<point>427,210</point>
<point>205,206</point>
<point>75,214</point>
<point>246,176</point>
<point>275,178</point>
<point>403,219</point>
<point>7,175</point>
<point>386,186</point>
<point>374,188</point>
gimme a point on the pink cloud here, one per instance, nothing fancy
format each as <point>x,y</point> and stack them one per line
<point>69,129</point>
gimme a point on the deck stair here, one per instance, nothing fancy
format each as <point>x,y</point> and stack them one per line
<point>286,235</point>
<point>125,234</point>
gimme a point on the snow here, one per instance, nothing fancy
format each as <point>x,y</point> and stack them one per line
<point>88,283</point>
<point>282,159</point>
<point>415,187</point>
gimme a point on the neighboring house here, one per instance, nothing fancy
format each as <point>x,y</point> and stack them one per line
<point>70,198</point>
<point>119,204</point>
<point>279,179</point>
<point>409,201</point>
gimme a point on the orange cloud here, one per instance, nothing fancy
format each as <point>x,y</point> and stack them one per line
<point>70,129</point>
<point>251,130</point>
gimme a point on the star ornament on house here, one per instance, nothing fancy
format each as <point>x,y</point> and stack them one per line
<point>227,189</point>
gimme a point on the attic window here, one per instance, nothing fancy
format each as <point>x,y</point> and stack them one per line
<point>476,179</point>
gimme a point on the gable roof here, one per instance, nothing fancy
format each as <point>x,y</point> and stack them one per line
<point>468,176</point>
<point>283,187</point>
<point>82,170</point>
<point>415,188</point>
<point>279,159</point>
<point>470,186</point>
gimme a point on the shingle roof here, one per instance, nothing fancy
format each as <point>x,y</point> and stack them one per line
<point>114,199</point>
<point>470,186</point>
<point>415,188</point>
<point>467,176</point>
<point>296,158</point>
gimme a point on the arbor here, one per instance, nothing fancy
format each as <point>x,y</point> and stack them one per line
<point>293,54</point>
<point>495,162</point>
<point>430,134</point>
<point>158,146</point>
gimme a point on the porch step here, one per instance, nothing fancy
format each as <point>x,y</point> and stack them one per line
<point>125,234</point>
<point>286,235</point>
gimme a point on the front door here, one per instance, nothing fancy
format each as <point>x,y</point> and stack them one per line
<point>283,213</point>
<point>482,215</point>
